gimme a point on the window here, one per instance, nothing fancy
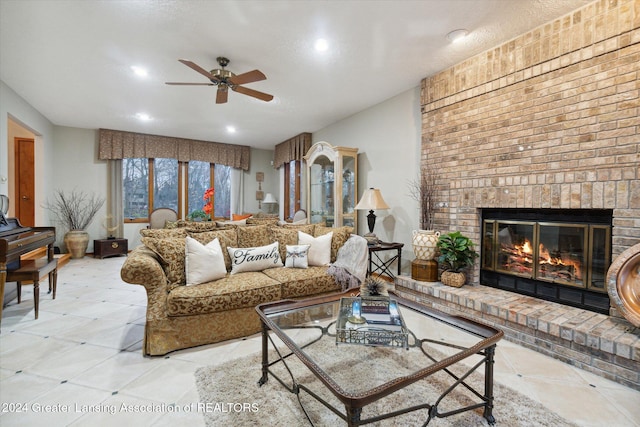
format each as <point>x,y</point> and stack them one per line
<point>158,183</point>
<point>135,182</point>
<point>199,179</point>
<point>292,188</point>
<point>222,197</point>
<point>165,184</point>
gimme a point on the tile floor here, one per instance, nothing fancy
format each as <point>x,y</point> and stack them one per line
<point>81,364</point>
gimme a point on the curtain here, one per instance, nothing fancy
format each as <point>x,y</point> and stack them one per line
<point>115,208</point>
<point>237,192</point>
<point>115,144</point>
<point>291,149</point>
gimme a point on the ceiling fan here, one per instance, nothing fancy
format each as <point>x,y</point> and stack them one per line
<point>225,79</point>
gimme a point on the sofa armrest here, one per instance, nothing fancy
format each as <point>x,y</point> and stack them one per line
<point>142,267</point>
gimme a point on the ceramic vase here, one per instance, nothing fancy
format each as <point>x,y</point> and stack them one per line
<point>76,242</point>
<point>425,244</point>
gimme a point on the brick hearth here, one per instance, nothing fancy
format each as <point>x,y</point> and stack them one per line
<point>604,345</point>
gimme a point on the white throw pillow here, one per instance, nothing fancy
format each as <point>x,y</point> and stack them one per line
<point>203,263</point>
<point>254,259</point>
<point>320,250</point>
<point>297,256</point>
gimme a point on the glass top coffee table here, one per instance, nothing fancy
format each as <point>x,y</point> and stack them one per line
<point>437,366</point>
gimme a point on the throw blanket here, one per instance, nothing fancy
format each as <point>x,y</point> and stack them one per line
<point>350,268</point>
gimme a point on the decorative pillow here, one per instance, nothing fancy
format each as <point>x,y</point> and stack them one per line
<point>262,221</point>
<point>203,263</point>
<point>171,251</point>
<point>227,237</point>
<point>297,256</point>
<point>340,237</point>
<point>239,217</point>
<point>161,233</point>
<point>195,226</point>
<point>240,223</point>
<point>254,259</point>
<point>253,236</point>
<point>320,250</point>
<point>284,237</point>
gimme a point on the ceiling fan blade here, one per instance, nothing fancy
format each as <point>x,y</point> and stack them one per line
<point>256,94</point>
<point>189,84</point>
<point>249,77</point>
<point>222,95</point>
<point>198,68</point>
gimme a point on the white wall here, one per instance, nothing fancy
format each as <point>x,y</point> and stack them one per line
<point>388,138</point>
<point>13,107</point>
<point>76,167</point>
<point>261,161</point>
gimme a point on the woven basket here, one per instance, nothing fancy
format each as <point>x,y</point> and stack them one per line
<point>451,278</point>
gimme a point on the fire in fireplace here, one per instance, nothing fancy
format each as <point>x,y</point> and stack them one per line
<point>559,255</point>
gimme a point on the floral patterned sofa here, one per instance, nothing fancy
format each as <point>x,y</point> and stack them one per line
<point>181,316</point>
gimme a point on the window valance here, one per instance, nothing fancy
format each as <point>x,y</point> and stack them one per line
<point>292,149</point>
<point>115,144</point>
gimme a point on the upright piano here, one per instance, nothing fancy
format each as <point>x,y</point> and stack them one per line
<point>16,240</point>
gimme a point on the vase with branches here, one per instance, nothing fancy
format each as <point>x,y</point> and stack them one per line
<point>423,190</point>
<point>75,210</point>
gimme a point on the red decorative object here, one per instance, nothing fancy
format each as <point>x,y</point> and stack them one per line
<point>208,197</point>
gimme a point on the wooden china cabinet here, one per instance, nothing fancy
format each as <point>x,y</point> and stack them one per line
<point>332,185</point>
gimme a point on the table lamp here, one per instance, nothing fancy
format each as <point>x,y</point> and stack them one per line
<point>371,200</point>
<point>269,200</point>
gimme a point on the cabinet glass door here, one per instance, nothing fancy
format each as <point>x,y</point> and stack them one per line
<point>322,180</point>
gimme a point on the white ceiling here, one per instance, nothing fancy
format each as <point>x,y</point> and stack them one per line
<point>71,59</point>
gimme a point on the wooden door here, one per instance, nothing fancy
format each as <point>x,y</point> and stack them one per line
<point>24,179</point>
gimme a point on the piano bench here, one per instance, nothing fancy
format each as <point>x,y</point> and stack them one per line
<point>33,270</point>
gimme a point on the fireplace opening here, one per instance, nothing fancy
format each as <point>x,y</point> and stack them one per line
<point>560,255</point>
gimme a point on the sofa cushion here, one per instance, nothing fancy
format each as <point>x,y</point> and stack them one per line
<point>253,236</point>
<point>254,259</point>
<point>203,263</point>
<point>297,256</point>
<point>229,293</point>
<point>171,252</point>
<point>340,237</point>
<point>297,283</point>
<point>320,250</point>
<point>227,236</point>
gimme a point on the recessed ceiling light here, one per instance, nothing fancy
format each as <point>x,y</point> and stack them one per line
<point>321,45</point>
<point>231,129</point>
<point>457,35</point>
<point>143,116</point>
<point>139,71</point>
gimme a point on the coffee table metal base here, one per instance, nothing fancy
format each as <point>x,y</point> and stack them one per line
<point>352,414</point>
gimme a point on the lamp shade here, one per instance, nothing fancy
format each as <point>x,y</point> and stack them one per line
<point>269,199</point>
<point>372,200</point>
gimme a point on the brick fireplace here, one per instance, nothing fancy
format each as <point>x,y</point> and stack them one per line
<point>547,121</point>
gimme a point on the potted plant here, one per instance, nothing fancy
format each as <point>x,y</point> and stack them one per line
<point>456,254</point>
<point>197,215</point>
<point>75,211</point>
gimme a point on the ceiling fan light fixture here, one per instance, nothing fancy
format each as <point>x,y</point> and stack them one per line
<point>456,36</point>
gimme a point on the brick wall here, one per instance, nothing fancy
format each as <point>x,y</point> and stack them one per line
<point>546,120</point>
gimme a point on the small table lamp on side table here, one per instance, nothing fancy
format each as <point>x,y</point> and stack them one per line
<point>371,200</point>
